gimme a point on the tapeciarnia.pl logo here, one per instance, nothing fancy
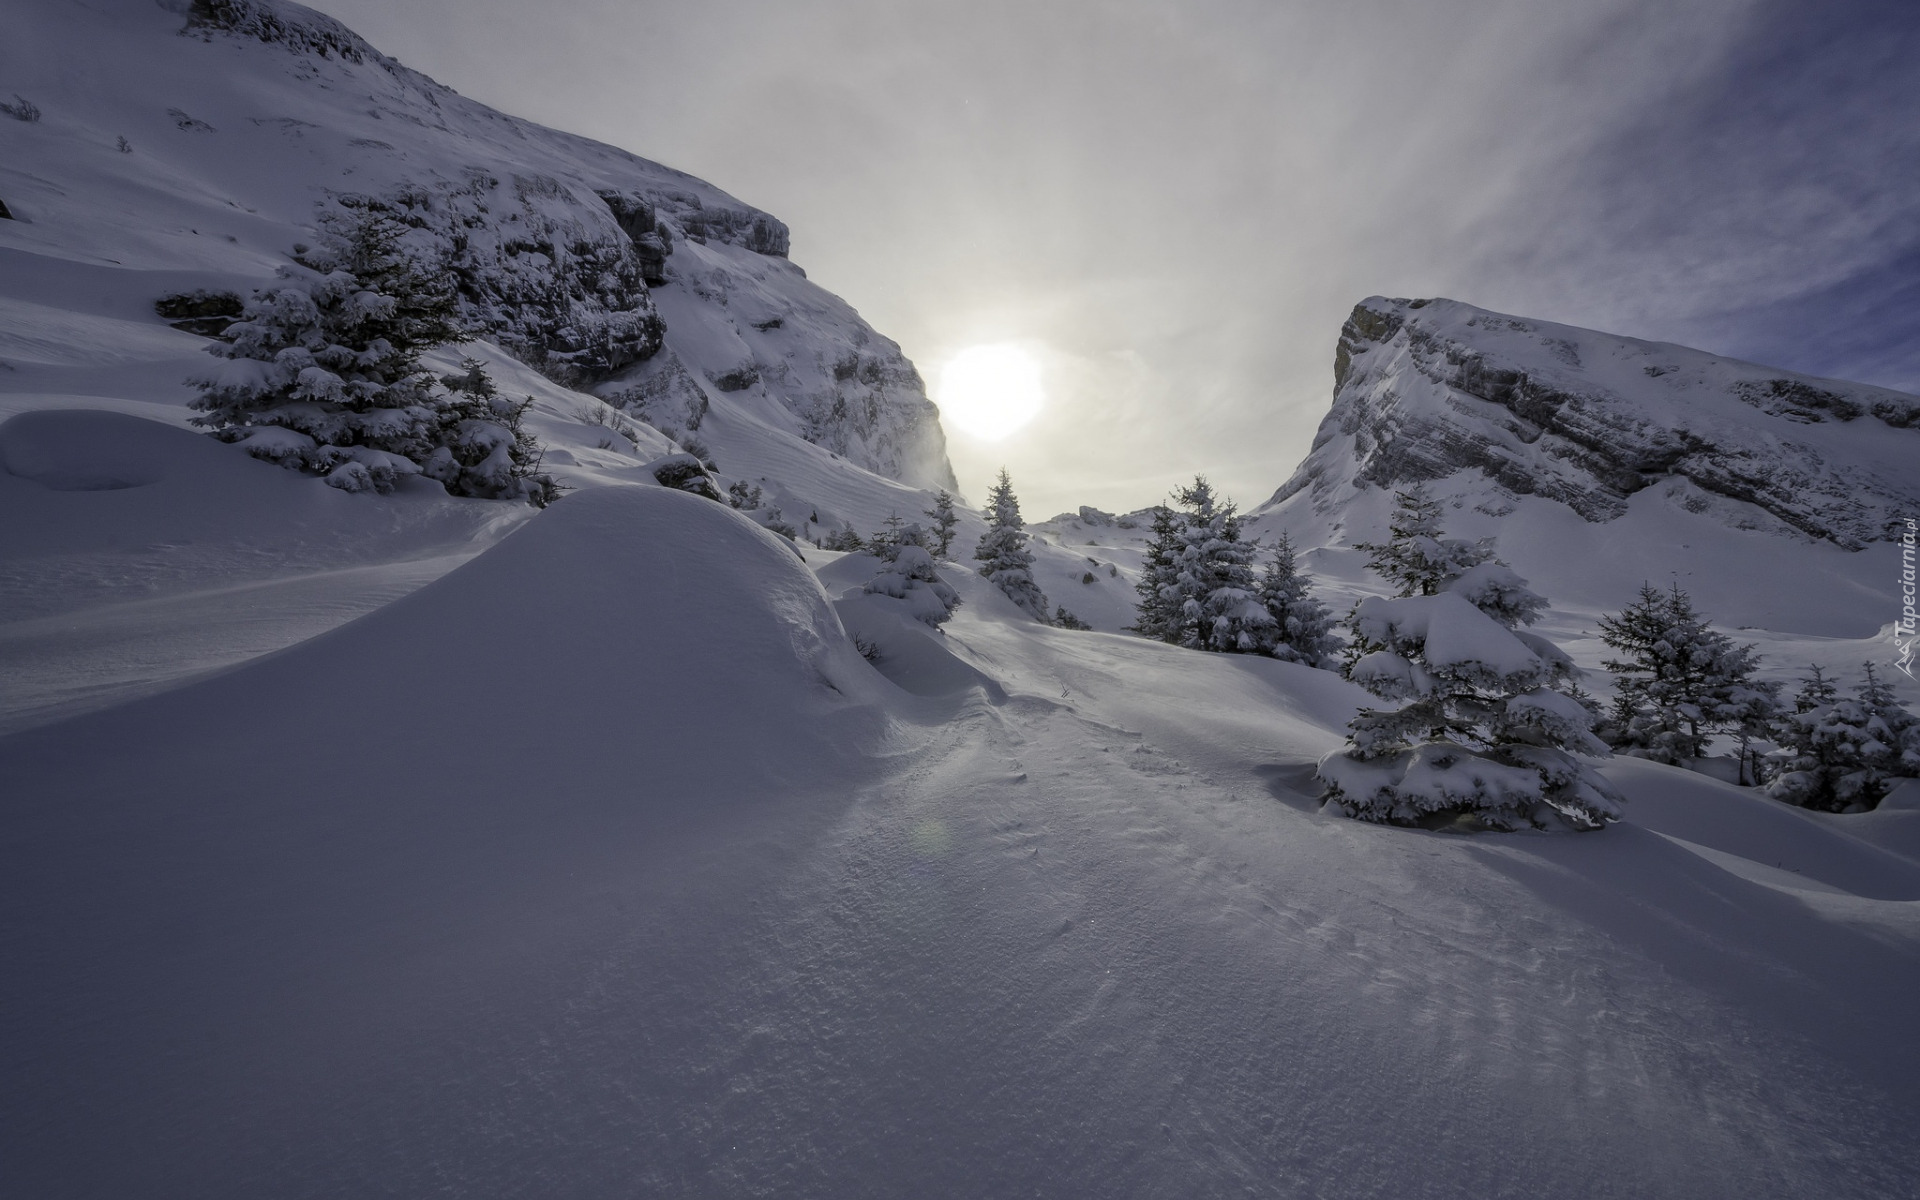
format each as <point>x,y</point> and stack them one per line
<point>1903,629</point>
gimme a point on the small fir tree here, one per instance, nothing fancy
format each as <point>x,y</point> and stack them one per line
<point>1303,629</point>
<point>1491,724</point>
<point>1894,751</point>
<point>1158,611</point>
<point>1218,598</point>
<point>485,449</point>
<point>1842,754</point>
<point>907,574</point>
<point>883,543</point>
<point>1679,681</point>
<point>944,521</point>
<point>1416,559</point>
<point>1066,620</point>
<point>1486,732</point>
<point>1003,554</point>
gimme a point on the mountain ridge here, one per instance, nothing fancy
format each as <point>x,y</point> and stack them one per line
<point>1426,388</point>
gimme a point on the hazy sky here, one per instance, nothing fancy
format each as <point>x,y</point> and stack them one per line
<point>1175,205</point>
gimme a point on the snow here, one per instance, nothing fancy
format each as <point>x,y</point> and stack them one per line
<point>1454,633</point>
<point>604,862</point>
<point>412,845</point>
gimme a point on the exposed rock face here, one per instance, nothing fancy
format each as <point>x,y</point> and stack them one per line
<point>1427,388</point>
<point>203,312</point>
<point>540,269</point>
<point>298,29</point>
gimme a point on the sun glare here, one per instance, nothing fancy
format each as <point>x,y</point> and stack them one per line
<point>990,391</point>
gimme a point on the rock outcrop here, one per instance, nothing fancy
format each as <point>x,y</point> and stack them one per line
<point>1424,389</point>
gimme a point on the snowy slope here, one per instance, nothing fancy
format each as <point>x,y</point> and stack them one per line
<point>649,884</point>
<point>240,117</point>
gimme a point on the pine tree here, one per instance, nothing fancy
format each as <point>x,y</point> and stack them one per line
<point>907,573</point>
<point>322,373</point>
<point>1003,554</point>
<point>1415,558</point>
<point>1302,630</point>
<point>1219,602</point>
<point>1158,611</point>
<point>485,449</point>
<point>1680,681</point>
<point>1420,561</point>
<point>1843,753</point>
<point>1063,619</point>
<point>1487,730</point>
<point>945,521</point>
<point>1894,751</point>
<point>883,543</point>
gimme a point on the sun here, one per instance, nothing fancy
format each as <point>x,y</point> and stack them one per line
<point>990,391</point>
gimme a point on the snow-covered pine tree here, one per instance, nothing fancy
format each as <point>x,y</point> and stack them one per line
<point>1492,721</point>
<point>1679,680</point>
<point>1843,754</point>
<point>1158,608</point>
<point>883,543</point>
<point>1486,731</point>
<point>484,448</point>
<point>1416,558</point>
<point>1003,554</point>
<point>944,522</point>
<point>1063,619</point>
<point>1302,630</point>
<point>1894,752</point>
<point>322,372</point>
<point>907,574</point>
<point>1218,597</point>
<point>1420,561</point>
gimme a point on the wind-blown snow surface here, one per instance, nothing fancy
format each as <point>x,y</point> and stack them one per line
<point>604,864</point>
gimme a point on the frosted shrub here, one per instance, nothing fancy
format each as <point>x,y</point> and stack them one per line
<point>907,574</point>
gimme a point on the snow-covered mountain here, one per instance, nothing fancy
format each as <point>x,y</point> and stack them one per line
<point>1425,388</point>
<point>1600,462</point>
<point>184,148</point>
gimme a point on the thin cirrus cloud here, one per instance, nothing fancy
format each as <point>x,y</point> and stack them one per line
<point>1175,206</point>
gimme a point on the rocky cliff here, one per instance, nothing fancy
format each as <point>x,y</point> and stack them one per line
<point>238,123</point>
<point>1424,389</point>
